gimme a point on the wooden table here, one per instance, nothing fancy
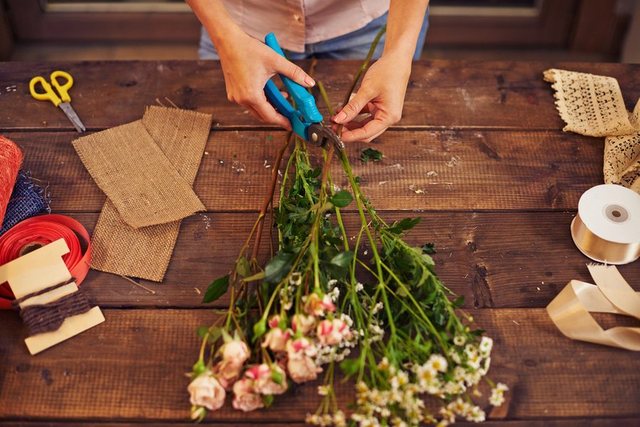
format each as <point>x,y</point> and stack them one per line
<point>507,186</point>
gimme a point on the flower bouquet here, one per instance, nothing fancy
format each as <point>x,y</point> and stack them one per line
<point>369,308</point>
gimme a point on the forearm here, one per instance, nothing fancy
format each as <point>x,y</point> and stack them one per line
<point>215,18</point>
<point>403,27</point>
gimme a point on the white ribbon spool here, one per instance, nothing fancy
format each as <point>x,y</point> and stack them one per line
<point>607,227</point>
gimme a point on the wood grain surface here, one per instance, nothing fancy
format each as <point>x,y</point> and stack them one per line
<point>479,156</point>
<point>441,94</point>
<point>130,367</point>
<point>494,259</point>
<point>421,170</point>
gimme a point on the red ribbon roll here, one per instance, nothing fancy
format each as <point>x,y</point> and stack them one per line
<point>38,231</point>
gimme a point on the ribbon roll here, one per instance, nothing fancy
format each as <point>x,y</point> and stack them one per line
<point>39,231</point>
<point>571,310</point>
<point>607,227</point>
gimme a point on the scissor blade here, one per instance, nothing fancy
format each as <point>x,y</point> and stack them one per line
<point>72,116</point>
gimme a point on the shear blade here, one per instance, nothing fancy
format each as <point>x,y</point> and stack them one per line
<point>321,135</point>
<point>73,117</point>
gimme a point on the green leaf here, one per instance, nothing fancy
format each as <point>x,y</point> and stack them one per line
<point>459,302</point>
<point>343,259</point>
<point>350,366</point>
<point>370,154</point>
<point>258,276</point>
<point>278,267</point>
<point>403,225</point>
<point>429,248</point>
<point>202,331</point>
<point>259,329</point>
<point>216,289</point>
<point>242,267</point>
<point>341,199</point>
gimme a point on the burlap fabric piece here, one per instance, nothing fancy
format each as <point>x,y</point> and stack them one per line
<point>593,105</point>
<point>146,252</point>
<point>131,169</point>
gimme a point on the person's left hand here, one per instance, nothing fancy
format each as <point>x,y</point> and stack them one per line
<point>381,94</point>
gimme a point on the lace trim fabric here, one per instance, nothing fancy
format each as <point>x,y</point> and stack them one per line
<point>593,105</point>
<point>622,160</point>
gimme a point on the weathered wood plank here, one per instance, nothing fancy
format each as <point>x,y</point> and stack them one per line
<point>502,259</point>
<point>421,169</point>
<point>577,422</point>
<point>131,367</point>
<point>440,93</point>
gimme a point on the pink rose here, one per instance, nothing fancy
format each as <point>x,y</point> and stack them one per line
<point>332,332</point>
<point>264,378</point>
<point>235,351</point>
<point>244,397</point>
<point>302,323</point>
<point>276,339</point>
<point>301,347</point>
<point>205,390</point>
<point>274,321</point>
<point>302,368</point>
<point>316,306</point>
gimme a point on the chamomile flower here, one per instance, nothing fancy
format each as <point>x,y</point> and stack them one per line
<point>475,414</point>
<point>459,340</point>
<point>485,346</point>
<point>497,394</point>
<point>437,363</point>
<point>295,279</point>
<point>376,308</point>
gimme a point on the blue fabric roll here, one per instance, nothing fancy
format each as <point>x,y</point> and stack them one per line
<point>27,199</point>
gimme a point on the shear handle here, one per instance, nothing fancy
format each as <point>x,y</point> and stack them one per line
<point>283,107</point>
<point>303,99</point>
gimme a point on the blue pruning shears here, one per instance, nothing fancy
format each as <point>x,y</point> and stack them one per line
<point>306,120</point>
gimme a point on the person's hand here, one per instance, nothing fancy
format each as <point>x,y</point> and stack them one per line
<point>381,94</point>
<point>247,64</point>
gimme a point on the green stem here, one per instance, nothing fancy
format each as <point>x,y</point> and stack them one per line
<point>366,62</point>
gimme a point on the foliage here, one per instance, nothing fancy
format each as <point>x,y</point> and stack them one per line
<point>369,305</point>
<point>370,154</point>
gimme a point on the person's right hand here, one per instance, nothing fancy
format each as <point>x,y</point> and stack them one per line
<point>247,64</point>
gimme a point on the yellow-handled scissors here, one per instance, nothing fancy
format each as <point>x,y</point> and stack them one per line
<point>61,99</point>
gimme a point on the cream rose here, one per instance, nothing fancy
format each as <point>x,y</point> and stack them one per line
<point>227,373</point>
<point>235,351</point>
<point>302,323</point>
<point>205,390</point>
<point>244,397</point>
<point>276,339</point>
<point>302,368</point>
<point>264,382</point>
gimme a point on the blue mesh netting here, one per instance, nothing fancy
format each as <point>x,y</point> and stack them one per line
<point>27,199</point>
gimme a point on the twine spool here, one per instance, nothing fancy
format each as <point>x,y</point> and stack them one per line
<point>10,161</point>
